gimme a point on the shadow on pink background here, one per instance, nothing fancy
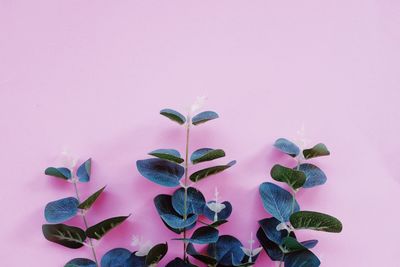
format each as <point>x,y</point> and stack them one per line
<point>93,75</point>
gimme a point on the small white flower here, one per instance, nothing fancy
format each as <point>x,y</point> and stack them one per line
<point>250,252</point>
<point>301,140</point>
<point>216,206</point>
<point>197,105</point>
<point>144,246</point>
<point>67,159</point>
<point>281,226</point>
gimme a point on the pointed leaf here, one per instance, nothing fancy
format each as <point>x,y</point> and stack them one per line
<point>269,225</point>
<point>315,221</point>
<point>201,174</point>
<point>67,236</point>
<point>97,231</point>
<point>117,257</point>
<point>63,173</point>
<point>309,243</point>
<point>204,117</point>
<point>272,249</point>
<point>301,259</point>
<point>206,154</point>
<point>277,201</point>
<point>173,115</point>
<point>168,154</point>
<point>161,171</point>
<point>222,215</point>
<point>80,262</point>
<point>203,258</point>
<point>84,171</point>
<point>287,147</point>
<point>316,151</point>
<point>315,176</point>
<point>87,204</point>
<point>202,235</point>
<point>195,201</point>
<point>156,253</point>
<point>295,179</point>
<point>61,210</point>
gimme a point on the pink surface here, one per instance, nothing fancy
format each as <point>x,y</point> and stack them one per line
<point>92,76</point>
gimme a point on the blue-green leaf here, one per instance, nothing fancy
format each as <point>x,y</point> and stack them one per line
<point>206,154</point>
<point>84,171</point>
<point>97,231</point>
<point>287,147</point>
<point>61,210</point>
<point>202,235</point>
<point>210,261</point>
<point>168,154</point>
<point>117,257</point>
<point>204,117</point>
<point>63,173</point>
<point>178,262</point>
<point>173,115</point>
<point>168,214</point>
<point>195,201</point>
<point>272,249</point>
<point>316,151</point>
<point>161,171</point>
<point>227,250</point>
<point>87,204</point>
<point>294,178</point>
<point>309,243</point>
<point>269,225</point>
<point>80,262</point>
<point>67,236</point>
<point>201,174</point>
<point>277,201</point>
<point>315,176</point>
<point>315,221</point>
<point>304,258</point>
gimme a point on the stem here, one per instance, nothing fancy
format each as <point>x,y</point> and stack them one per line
<point>186,181</point>
<point>86,225</point>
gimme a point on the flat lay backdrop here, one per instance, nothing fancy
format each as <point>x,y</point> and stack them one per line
<point>91,76</point>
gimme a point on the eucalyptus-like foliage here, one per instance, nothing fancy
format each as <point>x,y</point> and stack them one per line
<point>277,234</point>
<point>182,210</point>
<point>59,211</point>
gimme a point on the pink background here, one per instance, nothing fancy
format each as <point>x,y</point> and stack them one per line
<point>92,75</point>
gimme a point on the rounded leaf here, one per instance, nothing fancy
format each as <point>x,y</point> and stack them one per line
<point>204,117</point>
<point>203,258</point>
<point>277,201</point>
<point>222,215</point>
<point>178,262</point>
<point>63,173</point>
<point>117,257</point>
<point>161,171</point>
<point>269,225</point>
<point>80,262</point>
<point>206,154</point>
<point>301,259</point>
<point>315,176</point>
<point>67,236</point>
<point>203,235</point>
<point>173,115</point>
<point>315,221</point>
<point>272,249</point>
<point>168,154</point>
<point>287,147</point>
<point>195,201</point>
<point>227,250</point>
<point>61,210</point>
<point>294,178</point>
<point>309,243</point>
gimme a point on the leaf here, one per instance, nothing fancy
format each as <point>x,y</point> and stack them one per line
<point>309,243</point>
<point>227,250</point>
<point>173,115</point>
<point>277,201</point>
<point>206,154</point>
<point>195,201</point>
<point>272,249</point>
<point>80,262</point>
<point>210,261</point>
<point>201,174</point>
<point>316,151</point>
<point>315,176</point>
<point>167,213</point>
<point>287,147</point>
<point>135,261</point>
<point>301,259</point>
<point>117,257</point>
<point>218,223</point>
<point>178,262</point>
<point>168,154</point>
<point>97,231</point>
<point>67,236</point>
<point>223,215</point>
<point>269,225</point>
<point>61,210</point>
<point>87,204</point>
<point>294,178</point>
<point>204,117</point>
<point>202,235</point>
<point>84,171</point>
<point>63,173</point>
<point>156,253</point>
<point>315,221</point>
<point>161,171</point>
<point>291,244</point>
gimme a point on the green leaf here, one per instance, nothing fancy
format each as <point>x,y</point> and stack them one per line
<point>201,174</point>
<point>67,236</point>
<point>167,154</point>
<point>156,253</point>
<point>294,178</point>
<point>291,244</point>
<point>99,230</point>
<point>315,221</point>
<point>63,173</point>
<point>316,151</point>
<point>85,205</point>
<point>203,117</point>
<point>173,115</point>
<point>206,154</point>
